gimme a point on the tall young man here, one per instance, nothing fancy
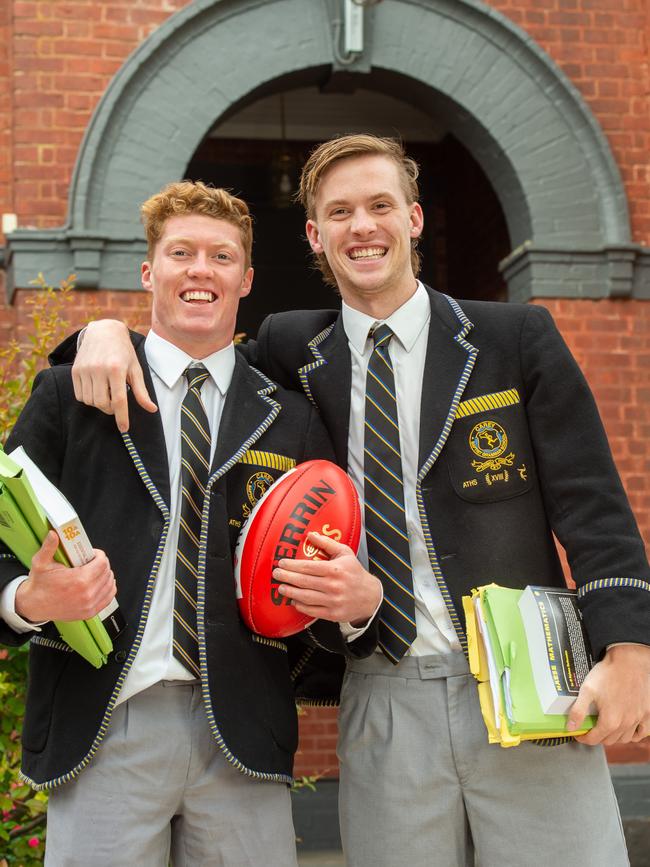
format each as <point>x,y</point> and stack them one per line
<point>183,742</point>
<point>429,401</point>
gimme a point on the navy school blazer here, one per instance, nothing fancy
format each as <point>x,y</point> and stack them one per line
<point>119,485</point>
<point>511,451</point>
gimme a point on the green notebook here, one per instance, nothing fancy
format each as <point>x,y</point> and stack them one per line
<point>23,527</point>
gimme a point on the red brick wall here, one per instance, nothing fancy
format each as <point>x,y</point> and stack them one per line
<point>6,117</point>
<point>603,46</point>
<point>133,307</point>
<point>64,54</point>
<point>64,57</point>
<point>316,754</point>
<point>611,342</point>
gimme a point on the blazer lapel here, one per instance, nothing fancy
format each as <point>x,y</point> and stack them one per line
<point>327,381</point>
<point>145,441</point>
<point>449,362</point>
<point>248,411</point>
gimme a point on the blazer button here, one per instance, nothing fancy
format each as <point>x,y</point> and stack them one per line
<point>120,656</point>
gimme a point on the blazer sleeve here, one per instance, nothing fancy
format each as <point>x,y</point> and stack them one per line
<point>274,358</point>
<point>66,351</point>
<point>583,495</point>
<point>39,430</point>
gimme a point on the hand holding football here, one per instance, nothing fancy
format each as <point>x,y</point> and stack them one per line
<point>315,496</point>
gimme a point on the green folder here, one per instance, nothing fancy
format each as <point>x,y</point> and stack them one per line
<point>23,527</point>
<point>518,693</point>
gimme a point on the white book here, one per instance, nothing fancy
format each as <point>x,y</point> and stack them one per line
<point>60,513</point>
<point>65,521</point>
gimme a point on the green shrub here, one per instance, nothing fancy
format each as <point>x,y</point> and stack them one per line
<point>22,811</point>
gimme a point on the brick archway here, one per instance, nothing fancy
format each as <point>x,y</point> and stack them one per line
<point>500,94</point>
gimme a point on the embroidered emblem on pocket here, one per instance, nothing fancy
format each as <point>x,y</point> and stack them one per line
<point>489,440</point>
<point>257,486</point>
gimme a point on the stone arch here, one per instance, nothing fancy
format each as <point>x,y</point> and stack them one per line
<point>500,94</point>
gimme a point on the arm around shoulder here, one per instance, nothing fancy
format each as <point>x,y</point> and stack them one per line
<point>105,366</point>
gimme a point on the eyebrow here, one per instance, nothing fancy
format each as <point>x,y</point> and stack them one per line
<point>381,195</point>
<point>190,241</point>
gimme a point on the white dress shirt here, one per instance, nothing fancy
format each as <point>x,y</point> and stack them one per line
<point>410,326</point>
<point>155,661</point>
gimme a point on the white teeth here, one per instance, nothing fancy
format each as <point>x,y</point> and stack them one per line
<point>366,253</point>
<point>197,295</point>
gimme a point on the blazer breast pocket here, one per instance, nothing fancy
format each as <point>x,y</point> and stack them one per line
<point>489,454</point>
<point>250,479</point>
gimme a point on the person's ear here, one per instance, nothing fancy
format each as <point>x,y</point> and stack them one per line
<point>313,236</point>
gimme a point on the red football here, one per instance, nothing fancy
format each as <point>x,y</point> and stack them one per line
<point>314,496</point>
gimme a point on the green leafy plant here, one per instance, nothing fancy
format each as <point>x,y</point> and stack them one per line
<point>21,360</point>
<point>23,811</point>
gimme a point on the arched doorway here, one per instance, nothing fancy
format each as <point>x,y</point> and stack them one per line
<point>465,66</point>
<point>257,151</point>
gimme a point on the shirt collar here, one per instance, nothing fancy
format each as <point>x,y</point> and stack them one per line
<point>406,322</point>
<point>169,362</point>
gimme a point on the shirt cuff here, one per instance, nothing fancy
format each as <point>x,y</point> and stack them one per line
<point>350,632</point>
<point>626,644</point>
<point>80,337</point>
<point>8,608</point>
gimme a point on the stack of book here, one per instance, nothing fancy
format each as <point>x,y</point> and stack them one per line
<point>31,506</point>
<point>530,654</point>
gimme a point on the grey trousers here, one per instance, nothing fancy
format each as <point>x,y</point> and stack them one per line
<point>159,787</point>
<point>420,785</point>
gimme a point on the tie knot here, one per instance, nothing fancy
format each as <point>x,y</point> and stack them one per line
<point>381,335</point>
<point>196,375</point>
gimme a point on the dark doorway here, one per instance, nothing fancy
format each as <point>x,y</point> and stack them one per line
<point>465,231</point>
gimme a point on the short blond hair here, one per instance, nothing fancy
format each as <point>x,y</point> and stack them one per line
<point>195,197</point>
<point>323,157</point>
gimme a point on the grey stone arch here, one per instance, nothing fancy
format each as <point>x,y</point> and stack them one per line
<point>546,157</point>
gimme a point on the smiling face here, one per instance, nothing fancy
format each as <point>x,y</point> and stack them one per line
<point>364,225</point>
<point>197,275</point>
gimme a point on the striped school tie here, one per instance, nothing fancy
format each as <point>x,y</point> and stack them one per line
<point>388,547</point>
<point>195,468</point>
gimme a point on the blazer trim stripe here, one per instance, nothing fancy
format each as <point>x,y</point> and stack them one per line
<point>302,662</point>
<point>267,459</point>
<point>486,402</point>
<point>269,642</point>
<point>303,372</point>
<point>274,407</point>
<point>99,737</point>
<point>303,701</point>
<point>472,352</point>
<point>610,583</point>
<point>316,702</point>
<point>316,641</point>
<point>51,643</point>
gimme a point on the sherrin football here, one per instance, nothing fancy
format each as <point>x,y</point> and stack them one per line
<point>315,496</point>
